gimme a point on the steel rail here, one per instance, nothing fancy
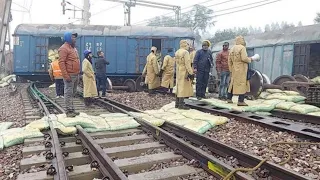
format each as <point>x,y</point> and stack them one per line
<point>245,159</point>
<point>269,122</point>
<point>296,116</point>
<point>58,166</point>
<point>105,164</point>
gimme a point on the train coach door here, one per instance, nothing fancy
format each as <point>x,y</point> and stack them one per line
<point>166,44</point>
<point>143,51</point>
<point>41,55</point>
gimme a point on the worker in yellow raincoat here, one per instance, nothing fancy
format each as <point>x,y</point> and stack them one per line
<point>151,71</point>
<point>238,65</point>
<point>192,55</point>
<point>89,81</point>
<point>184,75</point>
<point>167,71</point>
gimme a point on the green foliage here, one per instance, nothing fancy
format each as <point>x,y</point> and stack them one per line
<point>317,18</point>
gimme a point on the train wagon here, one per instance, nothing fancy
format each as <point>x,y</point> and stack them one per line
<point>290,52</point>
<point>125,47</point>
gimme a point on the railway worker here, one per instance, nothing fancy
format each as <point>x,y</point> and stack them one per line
<point>151,70</point>
<point>89,80</point>
<point>101,73</point>
<point>223,70</point>
<point>56,76</point>
<point>184,75</point>
<point>238,61</point>
<point>167,71</point>
<point>70,68</point>
<point>202,63</point>
<point>192,55</point>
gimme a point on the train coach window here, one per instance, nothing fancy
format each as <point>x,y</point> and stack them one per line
<point>157,43</point>
<point>54,44</point>
<point>314,63</point>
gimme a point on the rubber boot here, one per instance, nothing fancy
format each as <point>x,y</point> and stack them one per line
<point>177,103</point>
<point>171,90</point>
<point>86,102</point>
<point>71,114</point>
<point>242,104</point>
<point>229,101</point>
<point>182,104</point>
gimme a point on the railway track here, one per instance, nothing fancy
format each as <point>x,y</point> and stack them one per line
<point>203,152</point>
<point>146,153</point>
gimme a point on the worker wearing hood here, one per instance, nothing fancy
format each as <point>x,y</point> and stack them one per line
<point>184,75</point>
<point>202,63</point>
<point>238,65</point>
<point>89,80</point>
<point>151,70</point>
<point>70,68</point>
<point>167,71</point>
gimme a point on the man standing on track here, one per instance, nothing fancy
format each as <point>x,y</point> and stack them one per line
<point>101,73</point>
<point>56,76</point>
<point>202,64</point>
<point>167,71</point>
<point>223,71</point>
<point>70,68</point>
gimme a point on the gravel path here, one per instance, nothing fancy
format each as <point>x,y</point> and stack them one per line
<point>256,139</point>
<point>141,100</point>
<point>12,110</point>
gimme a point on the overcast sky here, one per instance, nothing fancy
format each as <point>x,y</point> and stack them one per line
<point>50,11</point>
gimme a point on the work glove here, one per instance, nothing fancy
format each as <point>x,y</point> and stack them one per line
<point>191,77</point>
<point>256,58</point>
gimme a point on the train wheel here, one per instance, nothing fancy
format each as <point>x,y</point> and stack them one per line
<point>138,84</point>
<point>284,78</point>
<point>301,78</point>
<point>131,85</point>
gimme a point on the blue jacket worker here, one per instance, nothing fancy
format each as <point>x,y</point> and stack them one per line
<point>101,73</point>
<point>202,64</point>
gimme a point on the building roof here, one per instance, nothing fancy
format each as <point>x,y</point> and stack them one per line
<point>99,30</point>
<point>287,36</point>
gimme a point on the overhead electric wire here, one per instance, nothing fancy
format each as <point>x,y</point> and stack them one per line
<point>139,22</point>
<point>232,12</point>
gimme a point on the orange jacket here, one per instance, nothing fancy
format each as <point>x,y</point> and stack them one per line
<point>69,61</point>
<point>55,71</point>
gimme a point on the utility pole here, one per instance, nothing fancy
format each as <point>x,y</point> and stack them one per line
<point>86,12</point>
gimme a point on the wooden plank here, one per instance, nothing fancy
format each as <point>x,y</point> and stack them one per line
<point>166,174</point>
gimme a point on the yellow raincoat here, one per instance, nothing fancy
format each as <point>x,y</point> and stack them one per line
<point>182,57</point>
<point>152,70</point>
<point>192,55</point>
<point>168,71</point>
<point>89,81</point>
<point>238,65</point>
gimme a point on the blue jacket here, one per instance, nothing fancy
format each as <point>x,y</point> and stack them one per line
<point>203,60</point>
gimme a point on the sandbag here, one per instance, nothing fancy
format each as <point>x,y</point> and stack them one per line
<point>285,105</point>
<point>274,96</point>
<point>272,91</point>
<point>78,120</point>
<point>198,126</point>
<point>272,102</point>
<point>40,124</point>
<point>12,130</point>
<point>114,115</point>
<point>154,121</point>
<point>122,123</point>
<point>259,107</point>
<point>314,113</point>
<point>219,104</point>
<point>316,80</point>
<point>263,95</point>
<point>173,117</point>
<point>139,114</point>
<point>182,122</point>
<point>63,130</point>
<point>295,99</point>
<point>177,111</point>
<point>4,84</point>
<point>304,108</point>
<point>5,126</point>
<point>169,106</point>
<point>263,113</point>
<point>100,124</point>
<point>160,115</point>
<point>151,112</point>
<point>19,137</point>
<point>52,85</point>
<point>198,115</point>
<point>291,93</point>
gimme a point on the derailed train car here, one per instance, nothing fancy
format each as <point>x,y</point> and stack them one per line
<point>288,52</point>
<point>125,47</point>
